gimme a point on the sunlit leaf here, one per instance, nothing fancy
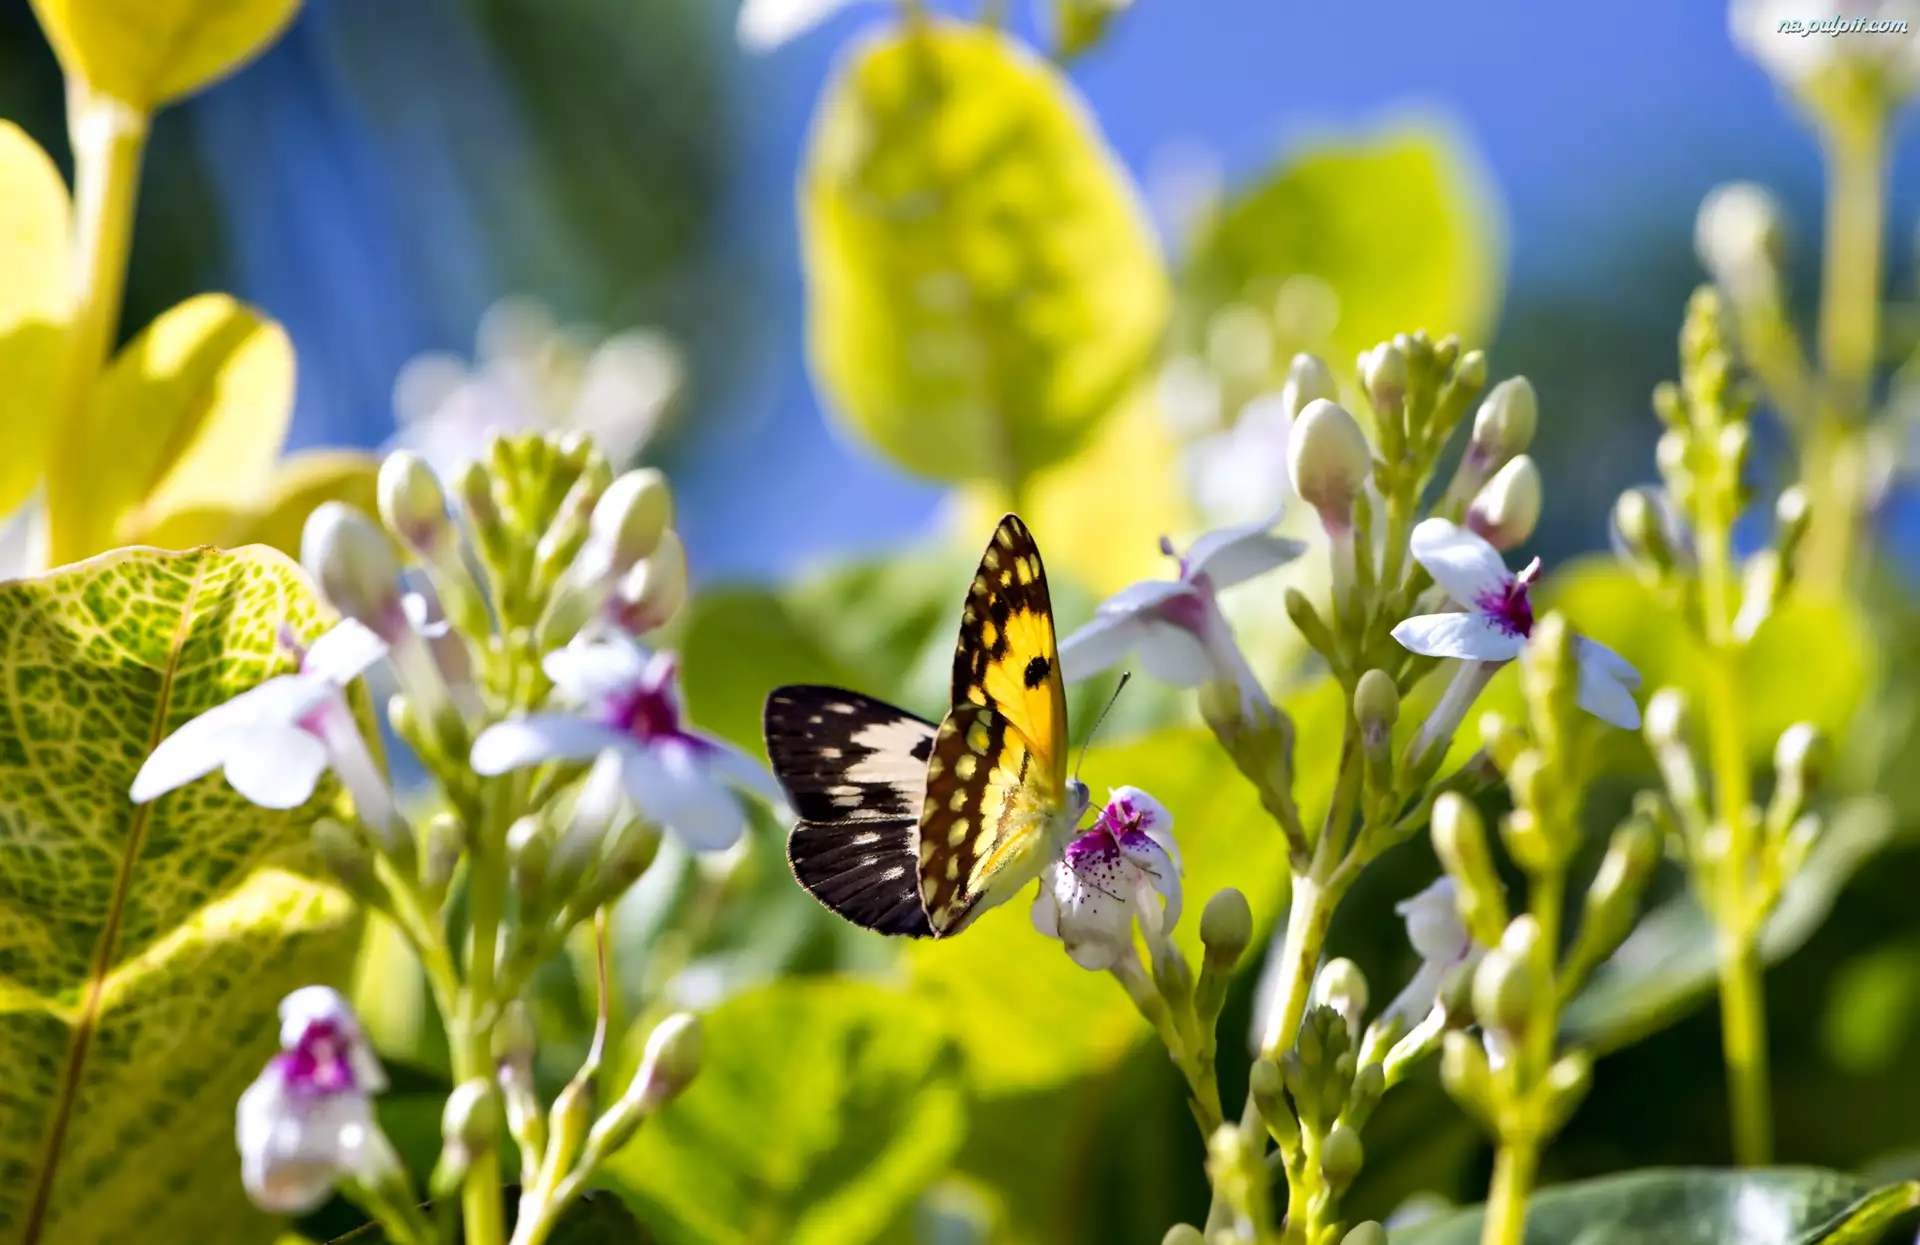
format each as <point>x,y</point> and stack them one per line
<point>1348,241</point>
<point>147,52</point>
<point>34,296</point>
<point>821,1111</point>
<point>983,286</point>
<point>298,484</point>
<point>1773,1206</point>
<point>143,949</point>
<point>189,416</point>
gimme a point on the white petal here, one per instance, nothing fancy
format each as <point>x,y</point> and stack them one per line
<point>1470,636</point>
<point>344,653</point>
<point>743,771</point>
<point>1046,909</point>
<point>1233,555</point>
<point>198,748</point>
<point>1606,659</point>
<point>1433,922</point>
<point>300,1010</point>
<point>292,1150</point>
<point>1605,697</point>
<point>276,766</point>
<point>591,670</point>
<point>766,24</point>
<point>1103,643</point>
<point>1141,597</point>
<point>671,785</point>
<point>1174,655</point>
<point>521,742</point>
<point>1464,565</point>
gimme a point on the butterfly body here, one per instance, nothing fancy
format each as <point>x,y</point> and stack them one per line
<point>910,828</point>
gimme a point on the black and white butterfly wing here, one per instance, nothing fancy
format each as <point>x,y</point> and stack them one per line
<point>855,770</point>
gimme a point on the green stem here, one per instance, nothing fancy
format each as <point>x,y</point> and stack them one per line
<point>1514,1166</point>
<point>1835,466</point>
<point>108,138</point>
<point>483,1221</point>
<point>1744,1031</point>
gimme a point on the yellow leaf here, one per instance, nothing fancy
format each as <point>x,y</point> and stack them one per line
<point>34,299</point>
<point>300,482</point>
<point>190,416</point>
<point>982,282</point>
<point>1104,510</point>
<point>148,52</point>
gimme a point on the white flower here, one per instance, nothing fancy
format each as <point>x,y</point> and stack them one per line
<point>1125,869</point>
<point>1815,42</point>
<point>628,702</point>
<point>1496,617</point>
<point>276,740</point>
<point>1176,625</point>
<point>307,1120</point>
<point>1442,942</point>
<point>1241,470</point>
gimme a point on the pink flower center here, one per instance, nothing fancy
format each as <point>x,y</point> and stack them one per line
<point>1508,606</point>
<point>649,711</point>
<point>319,1063</point>
<point>1094,847</point>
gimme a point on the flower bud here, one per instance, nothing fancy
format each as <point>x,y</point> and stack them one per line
<point>1740,239</point>
<point>412,503</point>
<point>469,1128</point>
<point>1507,508</point>
<point>1802,756</point>
<point>1565,1085</point>
<point>1643,532</point>
<point>1369,1084</point>
<point>569,1120</point>
<point>1341,1156</point>
<point>445,840</point>
<point>1307,620</point>
<point>1328,459</point>
<point>1267,1085</point>
<point>570,530</point>
<point>653,590</point>
<point>1366,1233</point>
<point>351,561</point>
<point>529,855</point>
<point>1226,928</point>
<point>1460,840</point>
<point>670,1062</point>
<point>1465,1074</point>
<point>1383,374</point>
<point>1343,987</point>
<point>1506,985</point>
<point>631,518</point>
<point>1183,1234</point>
<point>1507,420</point>
<point>474,487</point>
<point>1308,380</point>
<point>1376,706</point>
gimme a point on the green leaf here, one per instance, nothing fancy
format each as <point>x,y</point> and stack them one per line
<point>821,1110</point>
<point>983,286</point>
<point>1027,1017</point>
<point>1774,1206</point>
<point>147,52</point>
<point>189,416</point>
<point>34,299</point>
<point>1349,241</point>
<point>144,949</point>
<point>1670,962</point>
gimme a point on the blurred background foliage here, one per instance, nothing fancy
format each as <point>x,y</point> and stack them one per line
<point>1205,193</point>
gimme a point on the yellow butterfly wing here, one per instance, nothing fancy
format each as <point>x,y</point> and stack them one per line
<point>997,776</point>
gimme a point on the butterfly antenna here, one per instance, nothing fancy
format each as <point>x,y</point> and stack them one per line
<point>1120,687</point>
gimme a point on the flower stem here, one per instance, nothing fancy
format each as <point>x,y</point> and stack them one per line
<point>1744,1033</point>
<point>1835,463</point>
<point>108,139</point>
<point>483,1221</point>
<point>1514,1167</point>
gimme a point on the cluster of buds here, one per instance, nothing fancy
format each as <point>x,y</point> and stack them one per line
<point>510,626</point>
<point>1511,1076</point>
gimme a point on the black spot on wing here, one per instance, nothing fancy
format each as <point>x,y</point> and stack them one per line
<point>1036,672</point>
<point>995,596</point>
<point>866,872</point>
<point>844,757</point>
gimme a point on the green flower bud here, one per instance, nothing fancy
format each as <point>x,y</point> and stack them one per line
<point>1507,508</point>
<point>1548,678</point>
<point>1365,1233</point>
<point>349,858</point>
<point>1465,1074</point>
<point>1734,443</point>
<point>1741,240</point>
<point>353,564</point>
<point>1343,987</point>
<point>1183,1234</point>
<point>1383,374</point>
<point>1268,1087</point>
<point>1460,840</point>
<point>445,841</point>
<point>1369,1085</point>
<point>469,1127</point>
<point>1671,406</point>
<point>670,1062</point>
<point>655,588</point>
<point>1501,740</point>
<point>568,534</point>
<point>1376,706</point>
<point>1565,1085</point>
<point>1640,524</point>
<point>1506,986</point>
<point>474,487</point>
<point>1307,620</point>
<point>1796,843</point>
<point>1803,756</point>
<point>529,855</point>
<point>569,1121</point>
<point>1506,421</point>
<point>413,505</point>
<point>1308,380</point>
<point>1328,460</point>
<point>1172,974</point>
<point>1226,928</point>
<point>631,519</point>
<point>1471,371</point>
<point>1341,1157</point>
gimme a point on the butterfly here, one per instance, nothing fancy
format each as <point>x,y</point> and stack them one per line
<point>910,828</point>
